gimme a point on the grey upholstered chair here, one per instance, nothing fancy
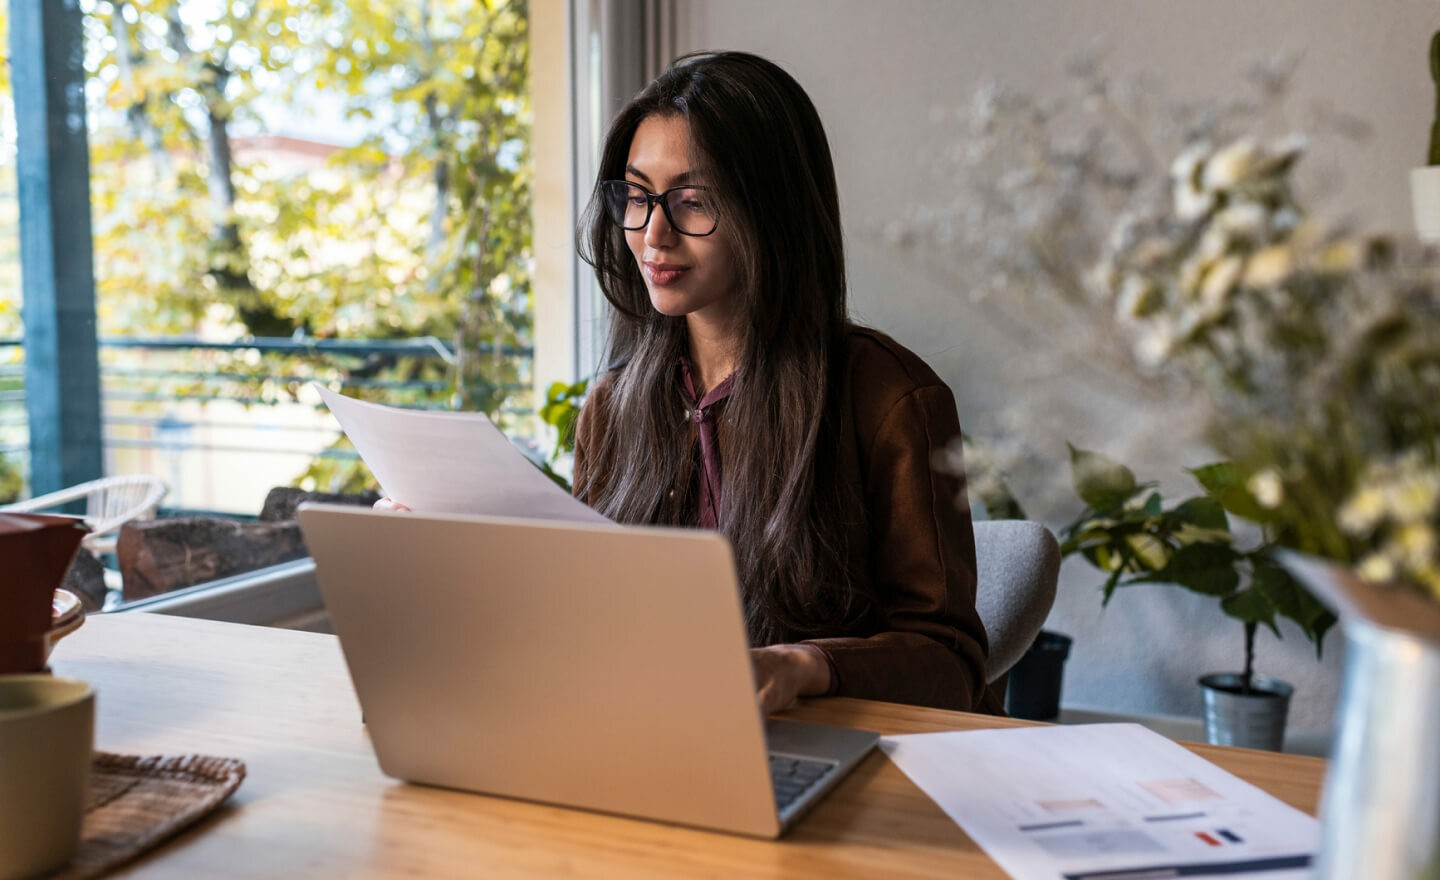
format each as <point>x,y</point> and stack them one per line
<point>1016,565</point>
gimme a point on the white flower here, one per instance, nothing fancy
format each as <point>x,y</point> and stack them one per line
<point>1245,220</point>
<point>1415,546</point>
<point>1267,488</point>
<point>1284,151</point>
<point>1220,282</point>
<point>1187,165</point>
<point>1191,321</point>
<point>1150,252</point>
<point>1192,203</point>
<point>1340,257</point>
<point>1411,498</point>
<point>1155,344</point>
<point>1192,200</point>
<point>1139,297</point>
<point>1103,279</point>
<point>1362,511</point>
<point>1270,265</point>
<point>1214,244</point>
<point>1231,165</point>
<point>985,108</point>
<point>1192,274</point>
<point>1377,568</point>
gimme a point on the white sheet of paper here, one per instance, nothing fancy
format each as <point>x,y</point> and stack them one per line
<point>450,462</point>
<point>1112,801</point>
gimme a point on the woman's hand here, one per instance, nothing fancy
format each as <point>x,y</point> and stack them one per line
<point>784,673</point>
<point>388,503</point>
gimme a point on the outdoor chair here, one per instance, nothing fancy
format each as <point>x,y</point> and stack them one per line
<point>1017,563</point>
<point>110,502</point>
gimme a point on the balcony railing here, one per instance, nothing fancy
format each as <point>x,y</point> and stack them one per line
<point>202,413</point>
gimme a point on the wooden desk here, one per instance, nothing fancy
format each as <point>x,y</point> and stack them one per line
<point>314,803</point>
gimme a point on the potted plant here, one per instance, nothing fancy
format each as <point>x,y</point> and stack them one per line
<point>1129,533</point>
<point>1425,180</point>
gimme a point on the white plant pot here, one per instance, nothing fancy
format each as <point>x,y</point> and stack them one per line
<point>1380,810</point>
<point>1425,201</point>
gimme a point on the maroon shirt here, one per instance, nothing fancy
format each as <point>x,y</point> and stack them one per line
<point>703,414</point>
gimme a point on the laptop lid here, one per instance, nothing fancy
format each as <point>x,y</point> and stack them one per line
<point>587,665</point>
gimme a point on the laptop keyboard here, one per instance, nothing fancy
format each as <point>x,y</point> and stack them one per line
<point>792,777</point>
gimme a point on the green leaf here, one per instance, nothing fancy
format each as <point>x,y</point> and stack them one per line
<point>1198,520</point>
<point>1205,513</point>
<point>1105,558</point>
<point>1109,587</point>
<point>1291,600</point>
<point>1100,482</point>
<point>1141,508</point>
<point>561,410</point>
<point>1251,606</point>
<point>1208,568</point>
<point>1188,534</point>
<point>1322,627</point>
<point>1148,551</point>
<point>1225,483</point>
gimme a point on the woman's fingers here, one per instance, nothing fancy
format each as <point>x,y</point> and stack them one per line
<point>388,503</point>
<point>776,682</point>
<point>769,701</point>
<point>784,673</point>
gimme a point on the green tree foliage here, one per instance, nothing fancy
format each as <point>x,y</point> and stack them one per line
<point>415,222</point>
<point>182,90</point>
<point>420,228</point>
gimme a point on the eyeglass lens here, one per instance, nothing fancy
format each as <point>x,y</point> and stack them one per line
<point>688,208</point>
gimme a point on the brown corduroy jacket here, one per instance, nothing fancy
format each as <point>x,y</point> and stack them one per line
<point>912,551</point>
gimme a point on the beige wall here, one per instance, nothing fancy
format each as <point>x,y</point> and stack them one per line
<point>876,70</point>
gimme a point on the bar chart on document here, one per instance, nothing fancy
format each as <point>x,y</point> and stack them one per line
<point>1104,802</point>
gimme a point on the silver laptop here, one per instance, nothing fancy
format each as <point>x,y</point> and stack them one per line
<point>593,666</point>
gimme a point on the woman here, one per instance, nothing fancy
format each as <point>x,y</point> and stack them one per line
<point>739,397</point>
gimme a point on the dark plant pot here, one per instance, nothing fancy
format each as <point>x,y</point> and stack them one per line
<point>1251,721</point>
<point>1033,691</point>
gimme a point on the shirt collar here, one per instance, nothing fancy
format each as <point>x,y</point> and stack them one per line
<point>713,396</point>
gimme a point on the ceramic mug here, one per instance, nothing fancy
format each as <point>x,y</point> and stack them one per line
<point>47,734</point>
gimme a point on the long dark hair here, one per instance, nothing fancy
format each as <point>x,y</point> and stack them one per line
<point>761,148</point>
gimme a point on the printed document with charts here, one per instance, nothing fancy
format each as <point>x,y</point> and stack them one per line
<point>450,462</point>
<point>1104,802</point>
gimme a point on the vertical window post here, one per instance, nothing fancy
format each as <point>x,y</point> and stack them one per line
<point>617,46</point>
<point>62,370</point>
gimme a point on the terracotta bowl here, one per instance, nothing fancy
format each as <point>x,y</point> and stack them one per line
<point>66,616</point>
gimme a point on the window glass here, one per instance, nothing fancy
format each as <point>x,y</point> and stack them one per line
<point>271,180</point>
<point>14,443</point>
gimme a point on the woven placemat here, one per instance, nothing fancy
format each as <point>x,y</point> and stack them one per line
<point>136,802</point>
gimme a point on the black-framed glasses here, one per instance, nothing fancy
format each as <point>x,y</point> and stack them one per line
<point>690,209</point>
